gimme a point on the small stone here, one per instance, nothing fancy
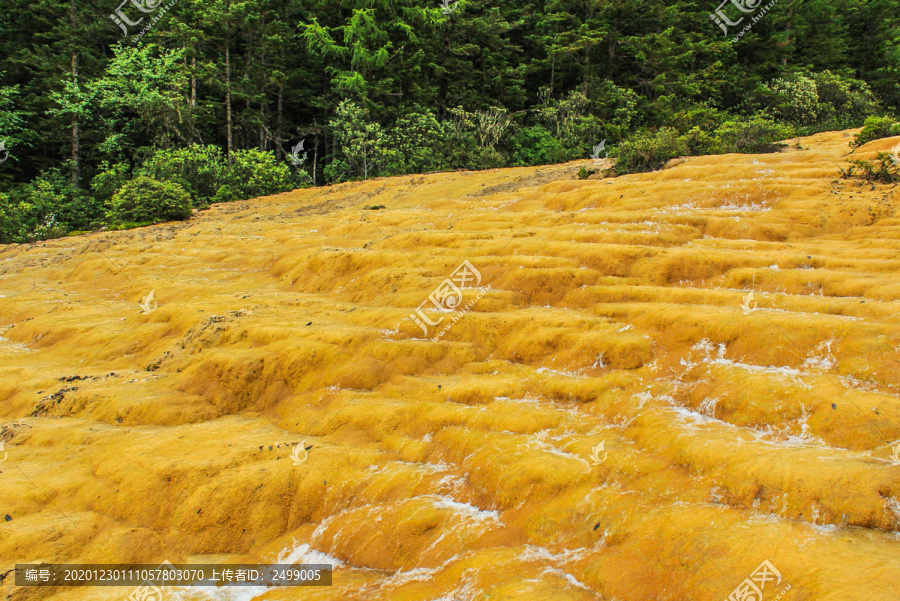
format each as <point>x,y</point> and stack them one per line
<point>833,406</point>
<point>8,517</point>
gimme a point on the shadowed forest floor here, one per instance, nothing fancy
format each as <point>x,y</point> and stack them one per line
<point>613,418</point>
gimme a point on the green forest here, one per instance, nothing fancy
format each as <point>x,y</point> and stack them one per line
<point>115,114</point>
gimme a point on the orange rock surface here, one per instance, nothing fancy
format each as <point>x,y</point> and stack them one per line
<point>613,417</point>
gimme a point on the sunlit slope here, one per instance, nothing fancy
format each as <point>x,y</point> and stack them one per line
<point>734,429</point>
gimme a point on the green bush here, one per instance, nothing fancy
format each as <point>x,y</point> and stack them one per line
<point>109,179</point>
<point>843,101</point>
<point>876,128</point>
<point>255,173</point>
<point>144,200</point>
<point>883,170</point>
<point>793,98</point>
<point>12,218</point>
<point>420,142</point>
<point>47,207</point>
<point>701,116</point>
<point>364,147</point>
<point>537,146</point>
<point>697,142</point>
<point>200,170</point>
<point>648,151</point>
<point>754,135</point>
<point>225,194</point>
<point>820,100</point>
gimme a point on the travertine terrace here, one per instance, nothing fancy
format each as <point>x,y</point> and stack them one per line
<point>734,430</point>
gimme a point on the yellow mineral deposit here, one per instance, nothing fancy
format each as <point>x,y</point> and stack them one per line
<point>613,419</point>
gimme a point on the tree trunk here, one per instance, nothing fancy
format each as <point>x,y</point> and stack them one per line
<point>315,155</point>
<point>279,153</point>
<point>262,125</point>
<point>787,35</point>
<point>76,131</point>
<point>194,82</point>
<point>443,84</point>
<point>228,146</point>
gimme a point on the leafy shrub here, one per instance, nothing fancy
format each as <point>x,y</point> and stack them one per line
<point>203,172</point>
<point>698,142</point>
<point>793,98</point>
<point>754,135</point>
<point>225,194</point>
<point>537,146</point>
<point>876,128</point>
<point>144,200</point>
<point>620,108</point>
<point>843,101</point>
<point>109,179</point>
<point>883,171</point>
<point>824,100</point>
<point>47,207</point>
<point>420,142</point>
<point>649,151</point>
<point>364,145</point>
<point>701,116</point>
<point>12,216</point>
<point>255,173</point>
<point>200,170</point>
<point>585,173</point>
